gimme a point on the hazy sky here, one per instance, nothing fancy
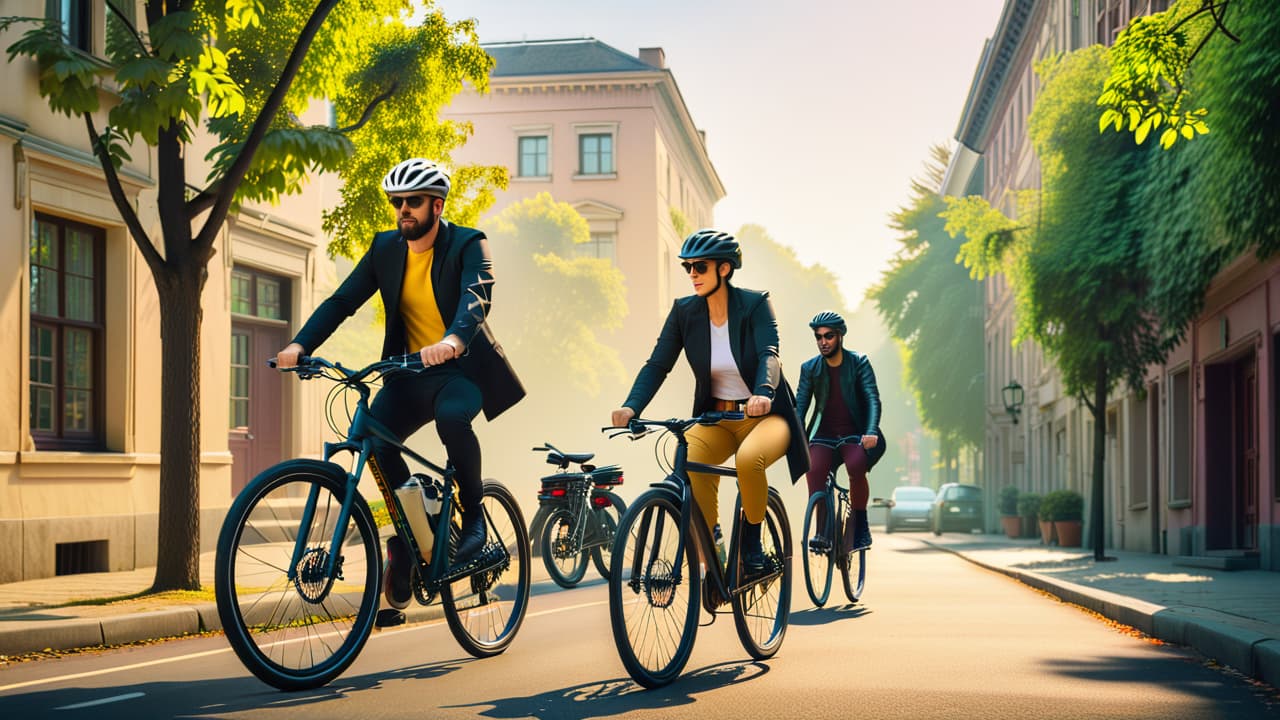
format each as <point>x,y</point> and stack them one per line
<point>817,114</point>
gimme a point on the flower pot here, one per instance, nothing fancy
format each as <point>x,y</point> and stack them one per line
<point>1046,532</point>
<point>1068,532</point>
<point>1030,527</point>
<point>1012,525</point>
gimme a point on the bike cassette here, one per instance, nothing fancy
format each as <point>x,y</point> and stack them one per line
<point>660,584</point>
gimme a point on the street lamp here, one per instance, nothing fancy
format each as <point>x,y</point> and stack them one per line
<point>1013,396</point>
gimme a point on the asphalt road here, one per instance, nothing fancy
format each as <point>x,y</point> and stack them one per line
<point>934,637</point>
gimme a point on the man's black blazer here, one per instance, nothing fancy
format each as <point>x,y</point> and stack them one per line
<point>753,338</point>
<point>462,281</point>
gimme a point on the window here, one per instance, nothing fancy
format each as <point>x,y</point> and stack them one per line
<point>76,19</point>
<point>1138,456</point>
<point>259,295</point>
<point>66,334</point>
<point>595,154</point>
<point>601,245</point>
<point>533,156</point>
<point>239,416</point>
<point>1180,439</point>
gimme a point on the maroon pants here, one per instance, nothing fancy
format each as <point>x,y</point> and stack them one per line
<point>821,459</point>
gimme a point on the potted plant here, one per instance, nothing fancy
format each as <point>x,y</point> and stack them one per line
<point>1009,511</point>
<point>1068,516</point>
<point>1028,510</point>
<point>1045,515</point>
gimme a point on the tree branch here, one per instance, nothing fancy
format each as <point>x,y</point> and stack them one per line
<point>130,26</point>
<point>1218,13</point>
<point>368,111</point>
<point>140,237</point>
<point>231,180</point>
<point>203,200</point>
<point>1087,402</point>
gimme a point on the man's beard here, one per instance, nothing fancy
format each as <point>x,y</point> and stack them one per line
<point>835,349</point>
<point>417,230</point>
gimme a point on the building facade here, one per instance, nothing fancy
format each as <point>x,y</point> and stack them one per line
<point>610,134</point>
<point>1190,460</point>
<point>80,429</point>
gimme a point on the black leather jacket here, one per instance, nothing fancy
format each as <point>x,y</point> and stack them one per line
<point>857,385</point>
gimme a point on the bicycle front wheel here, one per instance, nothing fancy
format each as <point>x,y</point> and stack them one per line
<point>853,565</point>
<point>562,555</point>
<point>761,610</point>
<point>608,518</point>
<point>817,563</point>
<point>294,625</point>
<point>485,610</point>
<point>654,595</point>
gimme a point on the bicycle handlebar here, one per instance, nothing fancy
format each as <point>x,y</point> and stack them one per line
<point>310,366</point>
<point>639,427</point>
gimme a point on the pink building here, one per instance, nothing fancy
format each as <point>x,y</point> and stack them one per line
<point>608,133</point>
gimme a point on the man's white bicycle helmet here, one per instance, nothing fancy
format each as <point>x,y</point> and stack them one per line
<point>416,175</point>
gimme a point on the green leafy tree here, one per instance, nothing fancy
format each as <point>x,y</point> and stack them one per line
<point>557,304</point>
<point>245,76</point>
<point>1149,85</point>
<point>1076,260</point>
<point>934,310</point>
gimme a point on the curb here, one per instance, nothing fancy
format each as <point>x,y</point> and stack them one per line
<point>18,637</point>
<point>1249,650</point>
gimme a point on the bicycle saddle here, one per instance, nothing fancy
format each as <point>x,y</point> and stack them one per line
<point>556,458</point>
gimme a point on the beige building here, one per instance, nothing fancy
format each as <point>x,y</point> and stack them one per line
<point>610,134</point>
<point>79,429</point>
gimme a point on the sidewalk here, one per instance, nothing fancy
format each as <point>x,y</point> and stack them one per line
<point>1233,617</point>
<point>1230,616</point>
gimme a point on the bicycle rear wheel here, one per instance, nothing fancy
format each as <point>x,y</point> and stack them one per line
<point>485,610</point>
<point>761,611</point>
<point>653,594</point>
<point>565,563</point>
<point>301,632</point>
<point>853,564</point>
<point>817,563</point>
<point>609,518</point>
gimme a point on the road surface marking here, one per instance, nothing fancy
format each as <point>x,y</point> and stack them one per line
<point>103,701</point>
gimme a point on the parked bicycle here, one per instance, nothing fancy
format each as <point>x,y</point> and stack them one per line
<point>666,566</point>
<point>579,515</point>
<point>825,519</point>
<point>299,562</point>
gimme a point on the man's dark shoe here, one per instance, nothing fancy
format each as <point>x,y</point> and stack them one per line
<point>470,537</point>
<point>861,539</point>
<point>752,552</point>
<point>819,545</point>
<point>395,580</point>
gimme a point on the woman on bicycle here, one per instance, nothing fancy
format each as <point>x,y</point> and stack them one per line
<point>730,337</point>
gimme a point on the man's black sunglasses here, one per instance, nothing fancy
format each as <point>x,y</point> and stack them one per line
<point>413,201</point>
<point>700,266</point>
<point>825,336</point>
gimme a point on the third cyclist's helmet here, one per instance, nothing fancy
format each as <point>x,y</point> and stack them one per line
<point>830,319</point>
<point>712,245</point>
<point>416,175</point>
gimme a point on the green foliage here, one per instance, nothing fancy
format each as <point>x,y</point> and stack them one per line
<point>1029,505</point>
<point>934,309</point>
<point>1062,505</point>
<point>679,222</point>
<point>1009,500</point>
<point>551,306</point>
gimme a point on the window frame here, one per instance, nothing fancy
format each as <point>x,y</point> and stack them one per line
<point>582,132</point>
<point>545,156</point>
<point>255,276</point>
<point>1176,427</point>
<point>60,438</point>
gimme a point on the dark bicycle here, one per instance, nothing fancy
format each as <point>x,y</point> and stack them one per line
<point>825,518</point>
<point>299,562</point>
<point>666,566</point>
<point>577,516</point>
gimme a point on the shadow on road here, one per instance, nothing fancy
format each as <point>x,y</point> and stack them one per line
<point>828,614</point>
<point>618,696</point>
<point>1182,671</point>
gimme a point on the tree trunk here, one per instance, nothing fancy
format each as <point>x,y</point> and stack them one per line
<point>178,551</point>
<point>1096,515</point>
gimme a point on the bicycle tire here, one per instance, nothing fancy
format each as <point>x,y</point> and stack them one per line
<point>817,565</point>
<point>473,604</point>
<point>283,633</point>
<point>854,581</point>
<point>761,611</point>
<point>609,520</point>
<point>651,526</point>
<point>564,570</point>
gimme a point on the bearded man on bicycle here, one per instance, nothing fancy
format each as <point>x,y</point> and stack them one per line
<point>435,279</point>
<point>841,387</point>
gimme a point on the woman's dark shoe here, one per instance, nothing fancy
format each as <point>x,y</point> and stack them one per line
<point>752,552</point>
<point>470,537</point>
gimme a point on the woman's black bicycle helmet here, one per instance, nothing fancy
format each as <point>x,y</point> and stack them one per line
<point>712,245</point>
<point>828,318</point>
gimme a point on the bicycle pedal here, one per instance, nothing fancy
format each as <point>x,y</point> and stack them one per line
<point>389,617</point>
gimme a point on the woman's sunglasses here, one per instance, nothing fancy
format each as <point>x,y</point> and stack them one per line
<point>699,266</point>
<point>413,201</point>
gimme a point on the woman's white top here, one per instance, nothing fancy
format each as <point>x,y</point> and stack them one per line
<point>726,381</point>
